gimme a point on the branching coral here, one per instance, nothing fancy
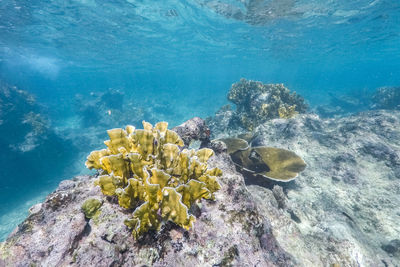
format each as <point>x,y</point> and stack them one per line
<point>147,171</point>
<point>257,102</point>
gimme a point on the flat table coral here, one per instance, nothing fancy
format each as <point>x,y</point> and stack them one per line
<point>148,171</point>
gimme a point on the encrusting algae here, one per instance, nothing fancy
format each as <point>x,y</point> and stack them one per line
<point>147,170</point>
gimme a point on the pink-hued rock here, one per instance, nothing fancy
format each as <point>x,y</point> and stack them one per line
<point>228,231</point>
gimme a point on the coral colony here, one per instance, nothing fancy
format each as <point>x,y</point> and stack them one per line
<point>148,171</point>
<point>257,102</point>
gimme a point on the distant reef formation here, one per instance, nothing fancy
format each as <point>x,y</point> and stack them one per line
<point>387,98</point>
<point>28,143</point>
<point>256,103</point>
<point>345,104</point>
<point>342,210</point>
<point>114,107</point>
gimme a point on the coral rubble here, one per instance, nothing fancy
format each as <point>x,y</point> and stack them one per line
<point>147,171</point>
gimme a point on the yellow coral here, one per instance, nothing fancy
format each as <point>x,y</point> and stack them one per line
<point>204,154</point>
<point>148,166</point>
<point>144,139</point>
<point>108,184</point>
<point>115,164</point>
<point>174,210</point>
<point>162,128</point>
<point>211,183</point>
<point>287,112</point>
<point>131,194</point>
<point>143,220</point>
<point>170,153</point>
<point>193,191</point>
<point>93,160</point>
<point>118,138</point>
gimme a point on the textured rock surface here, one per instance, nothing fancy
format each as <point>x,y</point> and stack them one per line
<point>387,98</point>
<point>194,129</point>
<point>344,208</point>
<point>28,143</point>
<point>230,230</point>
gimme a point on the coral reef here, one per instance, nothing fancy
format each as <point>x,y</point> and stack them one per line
<point>228,232</point>
<point>346,202</point>
<point>257,102</point>
<point>273,163</point>
<point>102,109</point>
<point>386,98</point>
<point>147,171</point>
<point>341,210</point>
<point>341,104</point>
<point>91,207</point>
<point>20,115</point>
<point>193,130</point>
<point>28,144</point>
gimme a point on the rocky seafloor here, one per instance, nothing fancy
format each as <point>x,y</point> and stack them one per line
<point>343,210</point>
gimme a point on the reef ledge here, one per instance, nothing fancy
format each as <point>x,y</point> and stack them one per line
<point>343,210</point>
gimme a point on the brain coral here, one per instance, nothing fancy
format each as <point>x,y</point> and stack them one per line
<point>257,102</point>
<point>147,171</point>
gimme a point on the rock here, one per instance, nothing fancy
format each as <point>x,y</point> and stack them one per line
<point>218,146</point>
<point>342,210</point>
<point>194,129</point>
<point>279,196</point>
<point>393,247</point>
<point>32,152</point>
<point>228,231</point>
<point>347,199</point>
<point>386,98</point>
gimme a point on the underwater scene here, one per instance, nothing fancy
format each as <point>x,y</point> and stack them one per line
<point>200,133</point>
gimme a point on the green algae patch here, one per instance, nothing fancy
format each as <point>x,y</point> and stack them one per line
<point>91,207</point>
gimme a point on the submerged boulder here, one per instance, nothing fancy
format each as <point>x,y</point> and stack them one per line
<point>78,225</point>
<point>342,210</point>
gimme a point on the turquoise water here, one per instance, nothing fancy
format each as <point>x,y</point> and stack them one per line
<point>171,60</point>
